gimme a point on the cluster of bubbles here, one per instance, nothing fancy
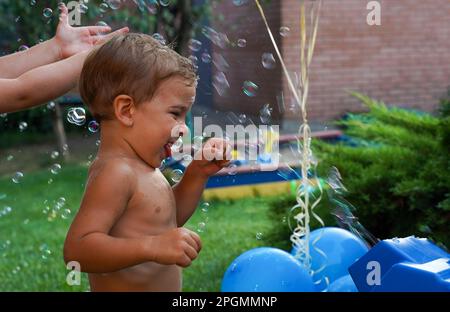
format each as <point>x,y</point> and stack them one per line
<point>204,208</point>
<point>57,209</point>
<point>5,211</point>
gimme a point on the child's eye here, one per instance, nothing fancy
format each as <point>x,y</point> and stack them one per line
<point>176,114</point>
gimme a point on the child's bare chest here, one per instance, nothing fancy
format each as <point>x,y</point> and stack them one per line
<point>151,209</point>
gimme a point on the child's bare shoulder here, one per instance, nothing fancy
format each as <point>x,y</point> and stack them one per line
<point>112,169</point>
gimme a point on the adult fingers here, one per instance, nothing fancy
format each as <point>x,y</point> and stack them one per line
<point>99,39</point>
<point>98,30</point>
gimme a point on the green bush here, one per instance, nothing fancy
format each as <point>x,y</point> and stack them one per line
<point>397,173</point>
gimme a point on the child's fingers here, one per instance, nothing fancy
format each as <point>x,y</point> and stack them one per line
<point>185,262</point>
<point>191,252</point>
<point>197,239</point>
<point>191,241</point>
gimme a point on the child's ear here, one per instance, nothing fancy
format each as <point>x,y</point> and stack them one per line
<point>124,108</point>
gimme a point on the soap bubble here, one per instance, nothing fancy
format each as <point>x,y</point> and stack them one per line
<point>60,203</point>
<point>201,227</point>
<point>17,177</point>
<point>220,83</point>
<point>23,48</point>
<point>220,62</point>
<point>250,88</point>
<point>164,3</point>
<point>194,61</point>
<point>159,38</point>
<point>47,12</point>
<point>22,126</point>
<point>259,236</point>
<point>103,7</point>
<point>45,251</point>
<point>239,2</point>
<point>242,43</point>
<point>177,174</point>
<point>206,58</point>
<point>242,118</point>
<point>101,23</point>
<point>204,207</point>
<point>265,113</point>
<point>76,116</point>
<point>194,45</point>
<point>232,169</point>
<point>66,214</point>
<point>219,39</point>
<point>51,105</point>
<point>54,154</point>
<point>284,31</point>
<point>93,126</point>
<point>82,8</point>
<point>268,61</point>
<point>55,168</point>
<point>114,4</point>
<point>6,210</point>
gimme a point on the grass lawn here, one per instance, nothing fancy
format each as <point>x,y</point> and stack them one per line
<point>32,232</point>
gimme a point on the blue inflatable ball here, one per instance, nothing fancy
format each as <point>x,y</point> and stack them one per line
<point>341,248</point>
<point>266,269</point>
<point>343,284</point>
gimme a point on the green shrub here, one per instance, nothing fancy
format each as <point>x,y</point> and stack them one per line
<point>398,174</point>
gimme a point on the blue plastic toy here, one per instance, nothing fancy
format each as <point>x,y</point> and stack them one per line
<point>343,284</point>
<point>403,264</point>
<point>341,248</point>
<point>266,269</point>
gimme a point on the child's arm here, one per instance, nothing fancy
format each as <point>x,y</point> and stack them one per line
<point>44,83</point>
<point>68,41</point>
<point>89,241</point>
<point>189,190</point>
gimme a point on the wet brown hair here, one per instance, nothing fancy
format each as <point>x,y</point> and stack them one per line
<point>131,64</point>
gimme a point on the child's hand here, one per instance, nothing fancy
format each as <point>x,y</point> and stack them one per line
<point>179,246</point>
<point>73,40</point>
<point>214,155</point>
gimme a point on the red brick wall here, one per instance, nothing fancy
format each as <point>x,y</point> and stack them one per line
<point>405,61</point>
